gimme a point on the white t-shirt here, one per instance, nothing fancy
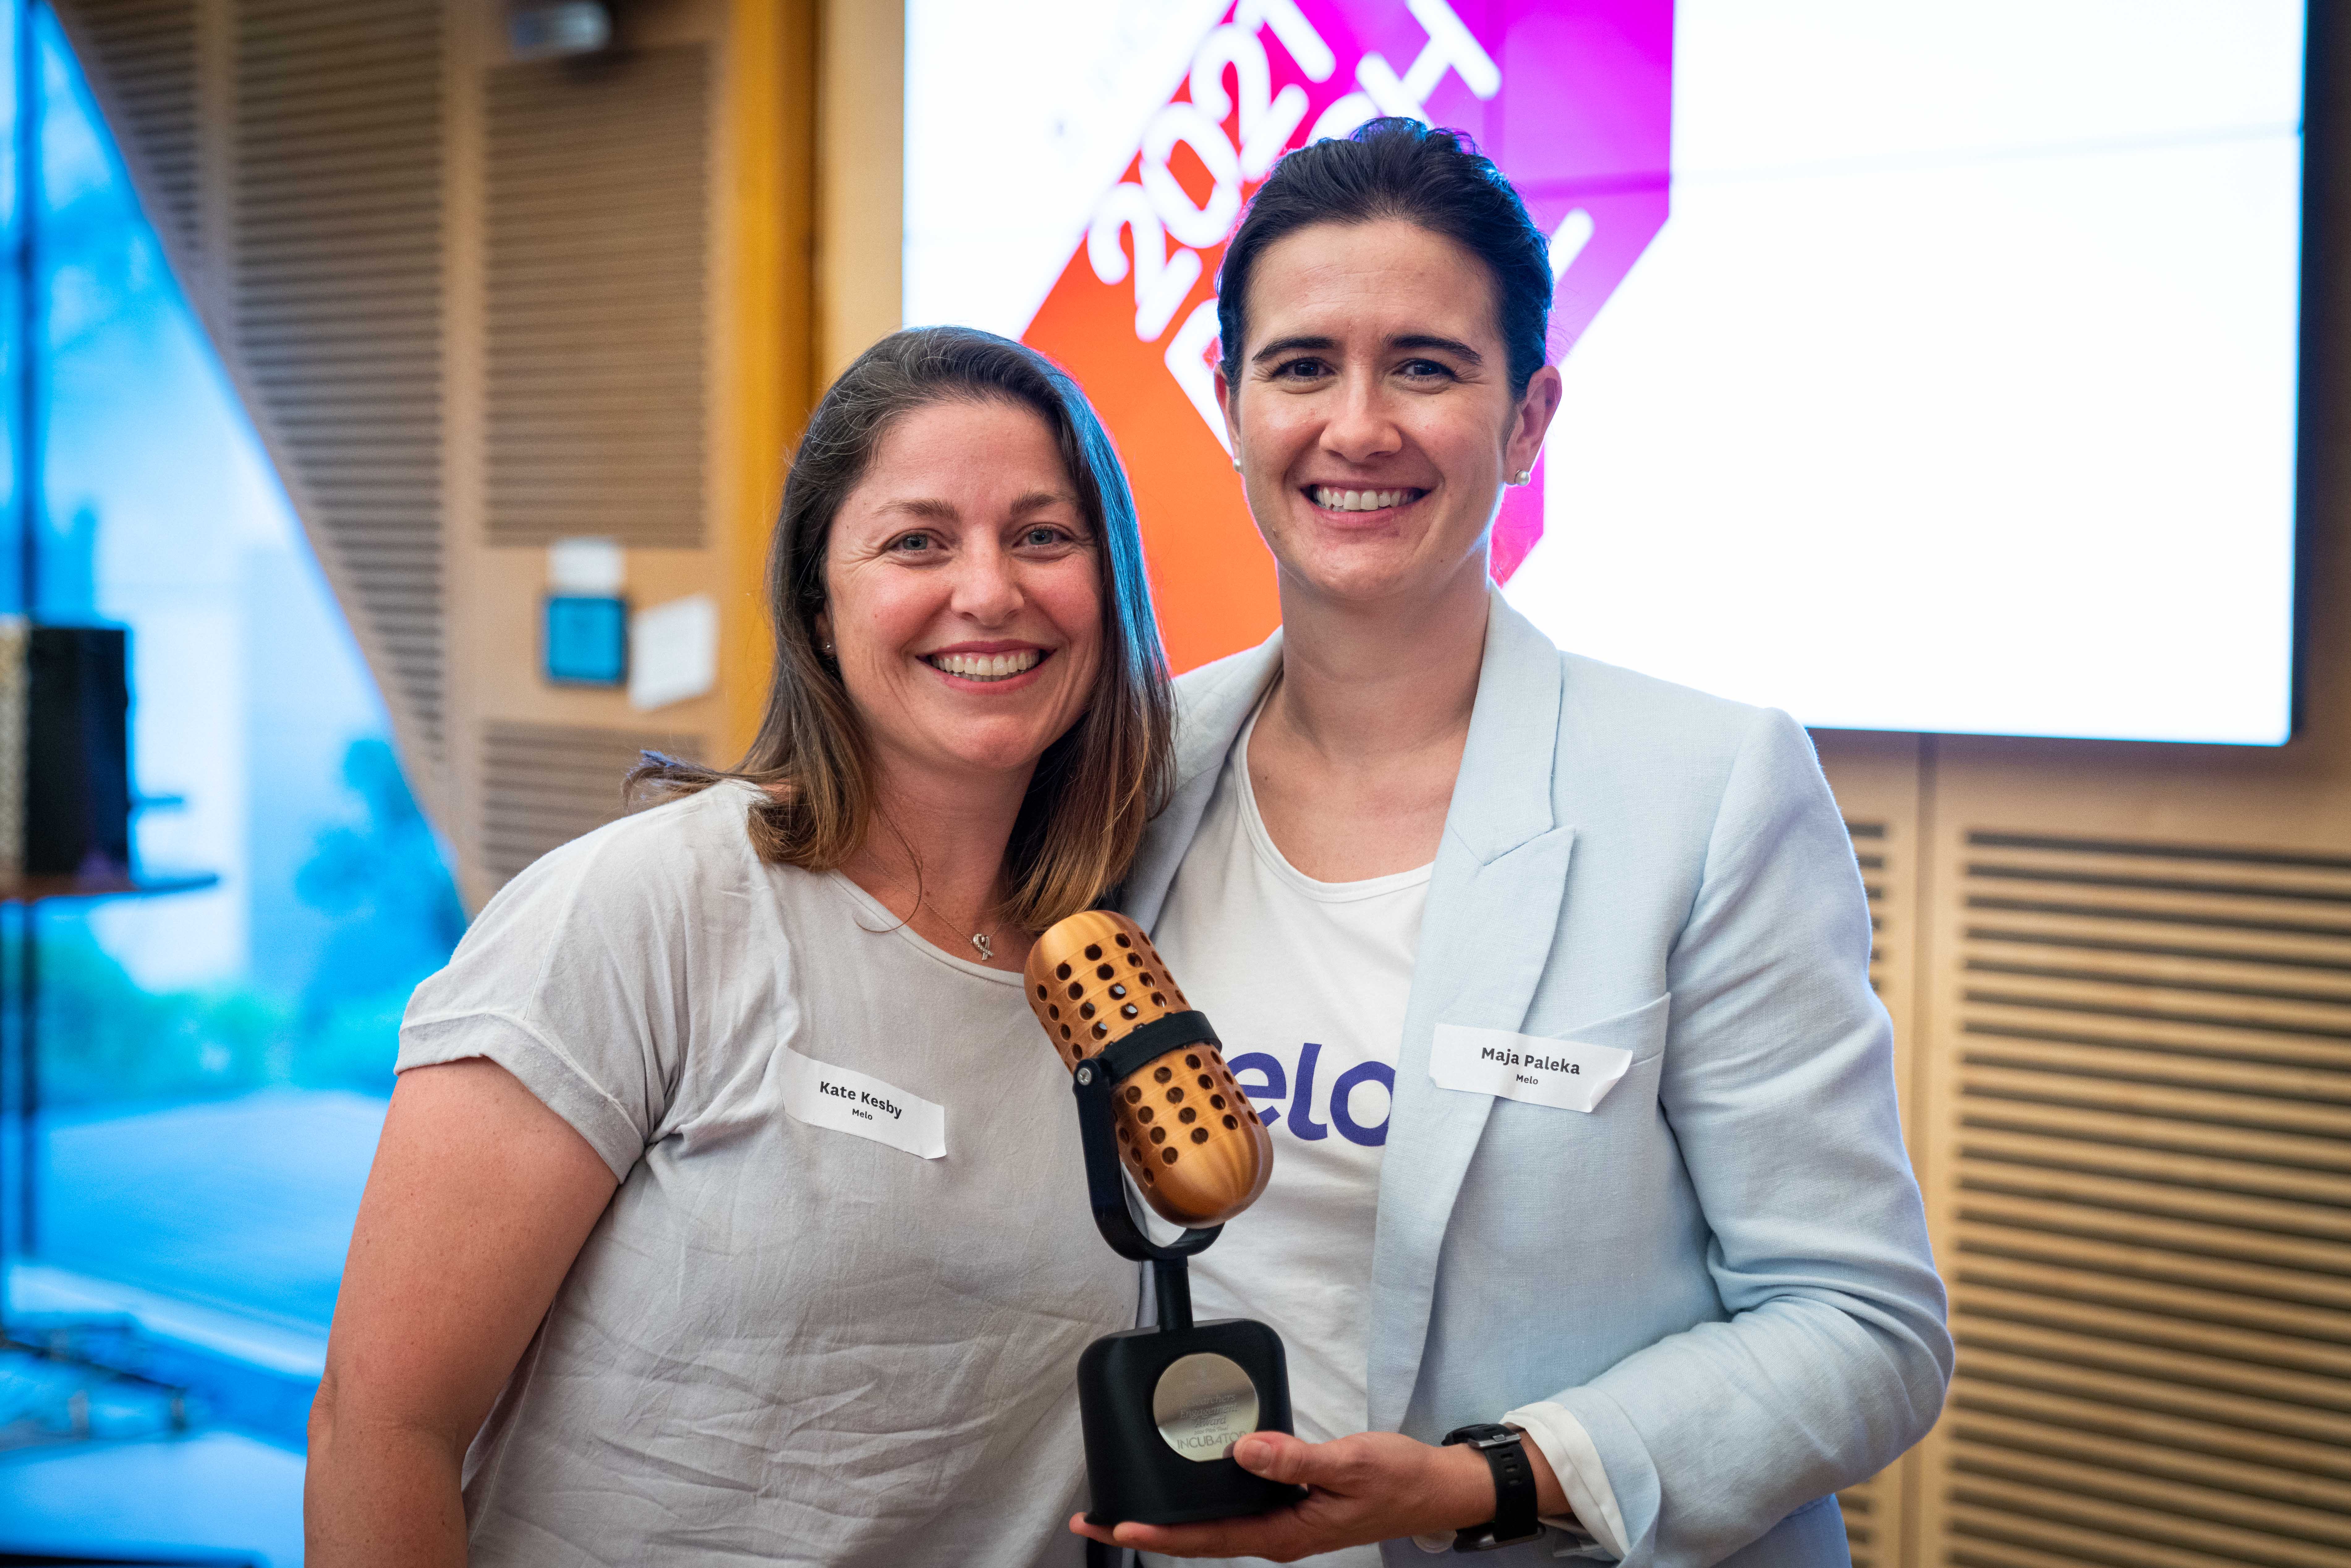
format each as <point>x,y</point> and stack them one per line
<point>784,1341</point>
<point>1306,982</point>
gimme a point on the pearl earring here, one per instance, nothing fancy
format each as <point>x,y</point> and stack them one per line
<point>1237,465</point>
<point>1522,475</point>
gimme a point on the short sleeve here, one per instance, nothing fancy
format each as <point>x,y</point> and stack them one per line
<point>572,978</point>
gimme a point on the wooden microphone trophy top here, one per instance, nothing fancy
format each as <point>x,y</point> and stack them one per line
<point>1162,1407</point>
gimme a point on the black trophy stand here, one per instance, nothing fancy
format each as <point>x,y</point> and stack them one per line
<point>1145,1417</point>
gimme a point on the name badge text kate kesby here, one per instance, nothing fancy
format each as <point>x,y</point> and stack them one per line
<point>823,1096</point>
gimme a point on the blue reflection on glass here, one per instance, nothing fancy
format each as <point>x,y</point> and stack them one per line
<point>213,1064</point>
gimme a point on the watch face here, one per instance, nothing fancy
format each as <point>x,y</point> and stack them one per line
<point>1203,1405</point>
<point>1482,1437</point>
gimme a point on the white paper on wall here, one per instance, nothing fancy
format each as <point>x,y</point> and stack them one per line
<point>672,650</point>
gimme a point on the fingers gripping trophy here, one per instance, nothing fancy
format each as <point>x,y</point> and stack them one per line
<point>1161,1406</point>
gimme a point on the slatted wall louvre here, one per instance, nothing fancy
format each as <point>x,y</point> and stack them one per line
<point>545,785</point>
<point>598,211</point>
<point>2143,1140</point>
<point>338,307</point>
<point>141,59</point>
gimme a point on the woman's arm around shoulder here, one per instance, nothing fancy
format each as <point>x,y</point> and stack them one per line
<point>478,1201</point>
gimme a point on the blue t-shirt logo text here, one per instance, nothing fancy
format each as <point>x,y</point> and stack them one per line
<point>1274,1082</point>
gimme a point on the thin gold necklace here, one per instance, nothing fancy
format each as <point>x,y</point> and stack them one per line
<point>978,939</point>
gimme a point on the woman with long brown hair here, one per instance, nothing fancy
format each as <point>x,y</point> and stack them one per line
<point>725,1204</point>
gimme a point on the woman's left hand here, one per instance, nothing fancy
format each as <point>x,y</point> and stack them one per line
<point>1374,1486</point>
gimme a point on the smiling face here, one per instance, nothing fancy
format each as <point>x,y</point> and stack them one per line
<point>1373,419</point>
<point>964,596</point>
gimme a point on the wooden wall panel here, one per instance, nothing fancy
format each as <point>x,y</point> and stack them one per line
<point>474,304</point>
<point>545,785</point>
<point>145,52</point>
<point>2148,1180</point>
<point>860,191</point>
<point>767,354</point>
<point>629,342</point>
<point>336,311</point>
<point>597,290</point>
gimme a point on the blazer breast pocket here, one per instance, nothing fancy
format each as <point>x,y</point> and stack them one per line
<point>1578,1070</point>
<point>1641,1031</point>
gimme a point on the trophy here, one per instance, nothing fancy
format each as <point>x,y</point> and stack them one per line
<point>1161,1406</point>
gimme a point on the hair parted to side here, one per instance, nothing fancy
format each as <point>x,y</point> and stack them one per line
<point>1422,175</point>
<point>1096,785</point>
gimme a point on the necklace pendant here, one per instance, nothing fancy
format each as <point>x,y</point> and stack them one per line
<point>979,940</point>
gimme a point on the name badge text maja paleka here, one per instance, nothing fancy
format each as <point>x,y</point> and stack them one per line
<point>1567,1074</point>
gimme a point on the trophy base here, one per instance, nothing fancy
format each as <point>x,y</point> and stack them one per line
<point>1162,1408</point>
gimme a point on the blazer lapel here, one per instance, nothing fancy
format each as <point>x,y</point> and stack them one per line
<point>1493,909</point>
<point>1211,706</point>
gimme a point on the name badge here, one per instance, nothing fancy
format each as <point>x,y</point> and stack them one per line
<point>1567,1074</point>
<point>846,1102</point>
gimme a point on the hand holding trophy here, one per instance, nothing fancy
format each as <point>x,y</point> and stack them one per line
<point>1162,1407</point>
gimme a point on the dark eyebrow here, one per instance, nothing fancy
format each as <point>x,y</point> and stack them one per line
<point>1280,346</point>
<point>937,511</point>
<point>1442,345</point>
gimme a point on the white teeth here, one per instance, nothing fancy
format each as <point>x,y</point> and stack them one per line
<point>1358,501</point>
<point>986,666</point>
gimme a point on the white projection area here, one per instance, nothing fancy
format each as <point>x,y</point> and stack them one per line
<point>1958,393</point>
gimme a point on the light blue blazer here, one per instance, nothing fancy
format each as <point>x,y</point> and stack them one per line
<point>1723,1272</point>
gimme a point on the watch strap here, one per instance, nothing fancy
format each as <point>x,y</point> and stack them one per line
<point>1515,1506</point>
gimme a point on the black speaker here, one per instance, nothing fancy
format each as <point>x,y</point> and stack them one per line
<point>76,708</point>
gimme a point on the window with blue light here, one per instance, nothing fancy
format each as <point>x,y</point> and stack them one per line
<point>210,1065</point>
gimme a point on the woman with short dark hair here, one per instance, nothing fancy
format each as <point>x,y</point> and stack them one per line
<point>1590,1232</point>
<point>725,1209</point>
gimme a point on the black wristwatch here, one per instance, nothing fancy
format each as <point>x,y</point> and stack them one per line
<point>1514,1489</point>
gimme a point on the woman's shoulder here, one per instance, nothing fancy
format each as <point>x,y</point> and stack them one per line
<point>1626,703</point>
<point>1682,762</point>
